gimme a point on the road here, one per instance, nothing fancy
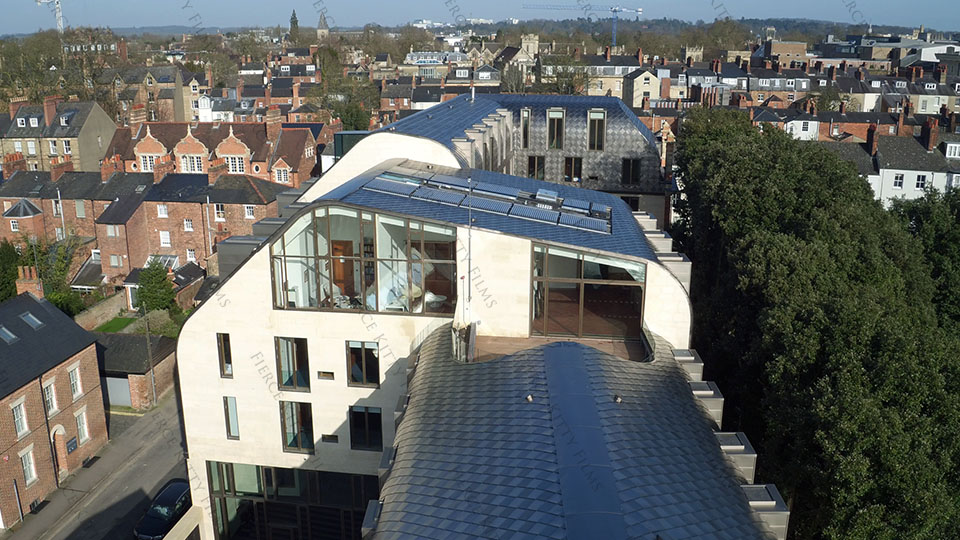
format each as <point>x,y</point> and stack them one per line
<point>107,503</point>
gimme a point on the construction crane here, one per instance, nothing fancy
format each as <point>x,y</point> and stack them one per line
<point>57,9</point>
<point>615,10</point>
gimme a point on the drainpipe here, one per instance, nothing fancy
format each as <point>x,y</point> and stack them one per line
<point>46,422</point>
<point>206,213</point>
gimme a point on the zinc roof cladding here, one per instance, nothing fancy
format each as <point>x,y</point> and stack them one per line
<point>909,154</point>
<point>475,459</point>
<point>36,351</point>
<point>451,119</point>
<point>625,237</point>
<point>126,354</point>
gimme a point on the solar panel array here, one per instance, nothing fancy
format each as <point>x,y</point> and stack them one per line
<point>494,199</point>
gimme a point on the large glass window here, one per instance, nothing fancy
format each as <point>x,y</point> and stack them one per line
<point>345,259</point>
<point>293,364</point>
<point>598,129</point>
<point>363,363</point>
<point>297,424</point>
<point>586,295</point>
<point>555,129</point>
<point>525,128</point>
<point>226,356</point>
<point>366,428</point>
<point>535,167</point>
<point>230,417</point>
<point>631,173</point>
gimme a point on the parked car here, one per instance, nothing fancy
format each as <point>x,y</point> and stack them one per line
<point>165,511</point>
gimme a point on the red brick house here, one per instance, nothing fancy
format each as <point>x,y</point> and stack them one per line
<point>263,150</point>
<point>51,392</point>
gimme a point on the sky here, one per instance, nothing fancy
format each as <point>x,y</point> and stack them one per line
<point>25,16</point>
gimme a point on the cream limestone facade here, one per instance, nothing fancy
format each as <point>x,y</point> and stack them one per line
<point>493,274</point>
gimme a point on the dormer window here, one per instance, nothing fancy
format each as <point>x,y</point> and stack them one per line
<point>823,82</point>
<point>149,81</point>
<point>284,68</point>
<point>34,122</point>
<point>875,84</point>
<point>930,86</point>
<point>64,121</point>
<point>901,84</point>
<point>953,151</point>
<point>461,74</point>
<point>21,122</point>
<point>194,88</point>
<point>311,68</point>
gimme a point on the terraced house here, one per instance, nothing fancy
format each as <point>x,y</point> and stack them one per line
<point>422,337</point>
<point>76,131</point>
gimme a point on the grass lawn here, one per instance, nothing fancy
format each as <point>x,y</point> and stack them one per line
<point>115,325</point>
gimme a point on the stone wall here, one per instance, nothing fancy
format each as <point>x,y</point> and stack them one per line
<point>102,312</point>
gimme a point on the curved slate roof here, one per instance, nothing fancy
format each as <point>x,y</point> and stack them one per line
<point>475,459</point>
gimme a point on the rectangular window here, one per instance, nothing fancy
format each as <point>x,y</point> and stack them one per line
<point>366,429</point>
<point>17,146</point>
<point>921,181</point>
<point>59,232</point>
<point>146,163</point>
<point>112,231</point>
<point>76,385</point>
<point>31,148</point>
<point>525,128</point>
<point>363,363</point>
<point>230,417</point>
<point>53,148</point>
<point>81,209</point>
<point>805,126</point>
<point>164,238</point>
<point>188,225</point>
<point>235,165</point>
<point>67,149</point>
<point>953,151</point>
<point>50,399</point>
<point>572,169</point>
<point>14,225</point>
<point>114,261</point>
<point>297,423</point>
<point>162,211</point>
<point>283,175</point>
<point>191,255</point>
<point>82,434</point>
<point>555,129</point>
<point>535,167</point>
<point>29,470</point>
<point>191,164</point>
<point>293,363</point>
<point>57,207</point>
<point>248,211</point>
<point>226,357</point>
<point>20,420</point>
<point>219,212</point>
<point>631,171</point>
<point>598,129</point>
<point>898,181</point>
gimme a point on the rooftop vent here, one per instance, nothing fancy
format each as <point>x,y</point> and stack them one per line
<point>738,449</point>
<point>766,501</point>
<point>548,196</point>
<point>709,395</point>
<point>690,361</point>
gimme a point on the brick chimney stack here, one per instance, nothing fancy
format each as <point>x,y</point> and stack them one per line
<point>606,53</point>
<point>28,280</point>
<point>50,108</point>
<point>217,168</point>
<point>908,108</point>
<point>928,135</point>
<point>640,56</point>
<point>59,166</point>
<point>818,67</point>
<point>273,122</point>
<point>872,138</point>
<point>689,61</point>
<point>859,74</point>
<point>576,53</point>
<point>208,73</point>
<point>843,107</point>
<point>952,123</point>
<point>941,76</point>
<point>15,104</point>
<point>832,73</point>
<point>138,115</point>
<point>296,94</point>
<point>109,166</point>
<point>12,163</point>
<point>745,66</point>
<point>646,104</point>
<point>163,166</point>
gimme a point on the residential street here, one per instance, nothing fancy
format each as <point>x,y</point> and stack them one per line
<point>106,499</point>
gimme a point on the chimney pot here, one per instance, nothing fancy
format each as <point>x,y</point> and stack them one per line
<point>872,137</point>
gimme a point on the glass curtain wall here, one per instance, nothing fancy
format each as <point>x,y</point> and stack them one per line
<point>345,259</point>
<point>585,295</point>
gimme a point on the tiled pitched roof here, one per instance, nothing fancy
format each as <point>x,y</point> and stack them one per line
<point>254,135</point>
<point>476,459</point>
<point>291,146</point>
<point>126,354</point>
<point>855,153</point>
<point>75,112</point>
<point>908,153</point>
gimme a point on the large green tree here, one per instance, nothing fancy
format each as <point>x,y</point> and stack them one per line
<point>813,309</point>
<point>9,259</point>
<point>155,290</point>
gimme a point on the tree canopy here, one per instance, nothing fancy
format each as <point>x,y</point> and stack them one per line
<point>814,311</point>
<point>155,291</point>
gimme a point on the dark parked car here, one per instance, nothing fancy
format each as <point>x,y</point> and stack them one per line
<point>166,509</point>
